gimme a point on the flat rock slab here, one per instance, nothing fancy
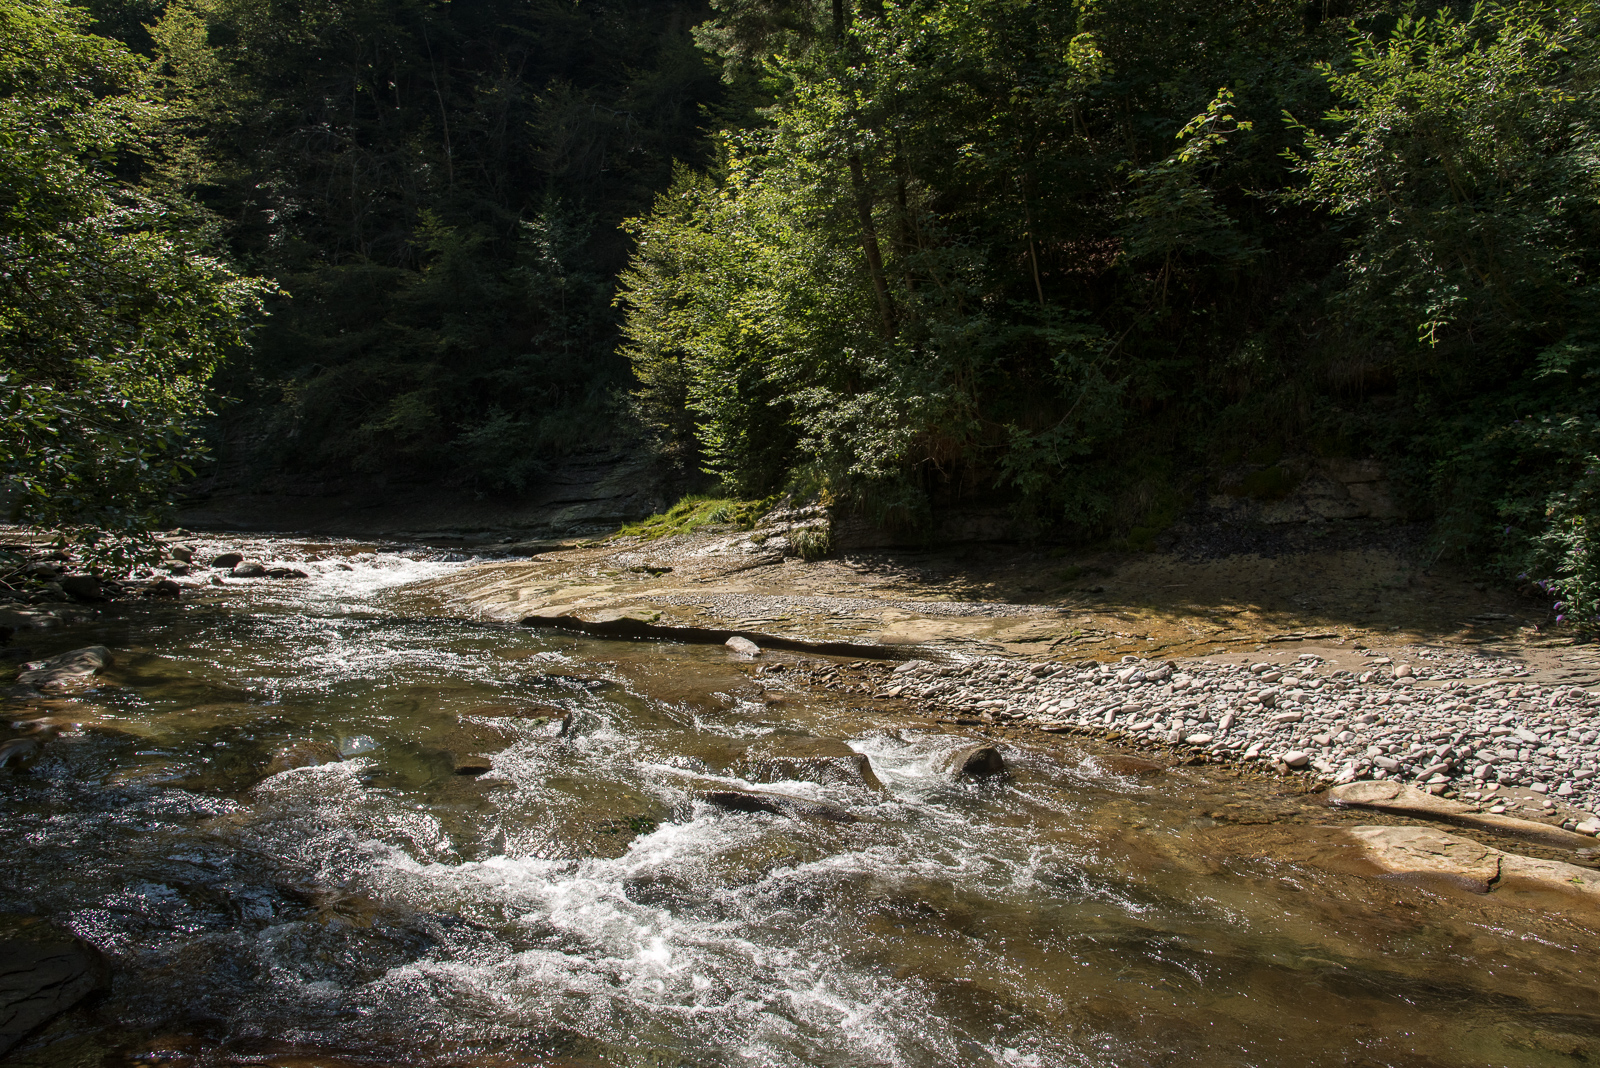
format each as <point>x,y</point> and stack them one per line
<point>1406,800</point>
<point>1480,868</point>
<point>39,980</point>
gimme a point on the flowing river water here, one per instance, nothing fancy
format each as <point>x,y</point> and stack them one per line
<point>581,904</point>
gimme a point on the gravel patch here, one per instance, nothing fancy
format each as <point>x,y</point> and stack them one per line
<point>1440,720</point>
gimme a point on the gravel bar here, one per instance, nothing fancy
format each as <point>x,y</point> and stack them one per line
<point>1438,720</point>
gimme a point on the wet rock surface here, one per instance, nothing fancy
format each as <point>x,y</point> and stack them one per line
<point>42,977</point>
<point>818,760</point>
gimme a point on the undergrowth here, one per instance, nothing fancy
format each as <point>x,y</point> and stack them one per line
<point>693,512</point>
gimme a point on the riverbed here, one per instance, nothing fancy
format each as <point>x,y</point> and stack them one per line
<point>493,845</point>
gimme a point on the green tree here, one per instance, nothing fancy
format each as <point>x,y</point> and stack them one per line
<point>112,317</point>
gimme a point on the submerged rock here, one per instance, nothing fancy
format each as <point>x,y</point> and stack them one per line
<point>66,670</point>
<point>473,765</point>
<point>818,760</point>
<point>19,752</point>
<point>303,755</point>
<point>781,804</point>
<point>42,979</point>
<point>1481,868</point>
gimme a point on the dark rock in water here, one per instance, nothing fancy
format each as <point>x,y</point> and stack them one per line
<point>83,588</point>
<point>343,567</point>
<point>181,552</point>
<point>175,567</point>
<point>286,573</point>
<point>227,560</point>
<point>473,765</point>
<point>819,760</point>
<point>68,669</point>
<point>162,588</point>
<point>249,569</point>
<point>589,683</point>
<point>42,979</point>
<point>782,804</point>
<point>303,755</point>
<point>976,762</point>
<point>19,752</point>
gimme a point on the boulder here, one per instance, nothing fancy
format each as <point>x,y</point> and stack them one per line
<point>818,760</point>
<point>161,588</point>
<point>175,567</point>
<point>181,553</point>
<point>249,569</point>
<point>743,646</point>
<point>226,560</point>
<point>286,573</point>
<point>67,670</point>
<point>42,979</point>
<point>82,588</point>
<point>975,762</point>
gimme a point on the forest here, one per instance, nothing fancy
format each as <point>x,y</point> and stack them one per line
<point>1064,257</point>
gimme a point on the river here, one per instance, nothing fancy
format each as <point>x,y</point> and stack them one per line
<point>580,903</point>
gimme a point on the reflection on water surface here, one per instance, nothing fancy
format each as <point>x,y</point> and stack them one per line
<point>489,847</point>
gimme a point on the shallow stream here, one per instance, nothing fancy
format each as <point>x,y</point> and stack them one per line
<point>581,904</point>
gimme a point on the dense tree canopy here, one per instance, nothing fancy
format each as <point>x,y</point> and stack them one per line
<point>1071,255</point>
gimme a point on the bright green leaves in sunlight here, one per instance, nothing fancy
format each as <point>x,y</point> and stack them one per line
<point>112,321</point>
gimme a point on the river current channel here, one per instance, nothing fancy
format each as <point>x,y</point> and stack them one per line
<point>579,904</point>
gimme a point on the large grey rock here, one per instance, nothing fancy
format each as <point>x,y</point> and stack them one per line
<point>819,760</point>
<point>227,560</point>
<point>743,646</point>
<point>42,979</point>
<point>67,670</point>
